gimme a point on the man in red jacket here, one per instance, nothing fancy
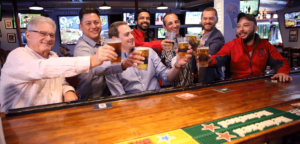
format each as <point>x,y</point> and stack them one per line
<point>144,37</point>
<point>249,54</point>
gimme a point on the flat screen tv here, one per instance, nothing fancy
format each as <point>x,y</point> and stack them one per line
<point>104,25</point>
<point>194,30</point>
<point>161,33</point>
<point>25,18</point>
<point>193,17</point>
<point>159,18</point>
<point>249,6</point>
<point>292,19</point>
<point>24,40</point>
<point>69,29</point>
<point>129,18</point>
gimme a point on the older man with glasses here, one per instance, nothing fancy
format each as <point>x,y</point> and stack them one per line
<point>34,75</point>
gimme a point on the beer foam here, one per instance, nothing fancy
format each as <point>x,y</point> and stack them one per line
<point>203,48</point>
<point>114,42</point>
<point>183,42</point>
<point>141,48</point>
<point>191,35</point>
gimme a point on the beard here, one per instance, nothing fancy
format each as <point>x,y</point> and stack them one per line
<point>141,27</point>
<point>249,37</point>
<point>210,29</point>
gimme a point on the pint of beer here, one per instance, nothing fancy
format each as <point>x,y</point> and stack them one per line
<point>116,43</point>
<point>202,53</point>
<point>183,46</point>
<point>170,36</point>
<point>145,54</point>
<point>193,41</point>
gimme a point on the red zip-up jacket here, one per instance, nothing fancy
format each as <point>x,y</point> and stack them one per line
<point>242,64</point>
<point>139,40</point>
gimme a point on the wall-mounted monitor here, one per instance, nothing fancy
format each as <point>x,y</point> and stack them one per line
<point>249,6</point>
<point>194,30</point>
<point>25,18</point>
<point>69,29</point>
<point>104,25</point>
<point>192,18</point>
<point>129,18</point>
<point>159,18</point>
<point>161,33</point>
<point>292,19</point>
<point>24,40</point>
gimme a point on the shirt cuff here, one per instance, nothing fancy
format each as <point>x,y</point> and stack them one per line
<point>68,88</point>
<point>83,64</point>
<point>165,79</point>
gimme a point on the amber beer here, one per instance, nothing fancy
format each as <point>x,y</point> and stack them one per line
<point>183,46</point>
<point>170,47</point>
<point>193,41</point>
<point>203,56</point>
<point>115,43</point>
<point>145,54</point>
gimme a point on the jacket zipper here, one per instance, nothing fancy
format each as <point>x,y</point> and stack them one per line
<point>250,58</point>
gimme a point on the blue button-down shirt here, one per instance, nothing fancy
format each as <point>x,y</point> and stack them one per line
<point>93,84</point>
<point>134,80</point>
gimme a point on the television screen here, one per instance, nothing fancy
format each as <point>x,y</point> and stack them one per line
<point>24,40</point>
<point>193,17</point>
<point>161,33</point>
<point>249,6</point>
<point>159,18</point>
<point>292,19</point>
<point>104,25</point>
<point>194,30</point>
<point>129,18</point>
<point>69,29</point>
<point>25,18</point>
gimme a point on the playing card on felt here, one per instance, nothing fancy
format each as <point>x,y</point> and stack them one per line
<point>186,96</point>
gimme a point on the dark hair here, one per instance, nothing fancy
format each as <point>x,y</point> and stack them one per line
<point>87,10</point>
<point>210,9</point>
<point>113,28</point>
<point>138,13</point>
<point>169,13</point>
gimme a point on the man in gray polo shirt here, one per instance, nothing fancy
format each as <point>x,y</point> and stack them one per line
<point>92,85</point>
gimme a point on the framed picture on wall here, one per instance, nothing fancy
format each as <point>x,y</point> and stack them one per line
<point>8,24</point>
<point>293,36</point>
<point>11,37</point>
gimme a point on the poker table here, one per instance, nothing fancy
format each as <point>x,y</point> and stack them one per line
<point>143,114</point>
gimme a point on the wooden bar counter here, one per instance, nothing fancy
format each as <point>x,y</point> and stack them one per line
<point>138,117</point>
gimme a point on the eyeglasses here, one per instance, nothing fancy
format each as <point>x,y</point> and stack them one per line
<point>44,34</point>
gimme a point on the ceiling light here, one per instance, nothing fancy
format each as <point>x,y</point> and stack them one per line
<point>35,6</point>
<point>162,6</point>
<point>105,6</point>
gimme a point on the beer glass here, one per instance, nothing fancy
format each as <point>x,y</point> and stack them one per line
<point>202,53</point>
<point>171,36</point>
<point>115,43</point>
<point>183,46</point>
<point>145,54</point>
<point>193,42</point>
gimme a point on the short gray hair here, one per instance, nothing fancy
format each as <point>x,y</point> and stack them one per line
<point>39,19</point>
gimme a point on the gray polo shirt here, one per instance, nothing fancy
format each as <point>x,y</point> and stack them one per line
<point>92,85</point>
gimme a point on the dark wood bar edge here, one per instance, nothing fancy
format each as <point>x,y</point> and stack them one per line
<point>50,107</point>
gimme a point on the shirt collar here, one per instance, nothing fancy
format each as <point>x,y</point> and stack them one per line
<point>92,42</point>
<point>38,55</point>
<point>206,35</point>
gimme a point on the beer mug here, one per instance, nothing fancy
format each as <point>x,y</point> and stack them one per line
<point>171,36</point>
<point>115,43</point>
<point>183,46</point>
<point>202,53</point>
<point>145,54</point>
<point>193,42</point>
